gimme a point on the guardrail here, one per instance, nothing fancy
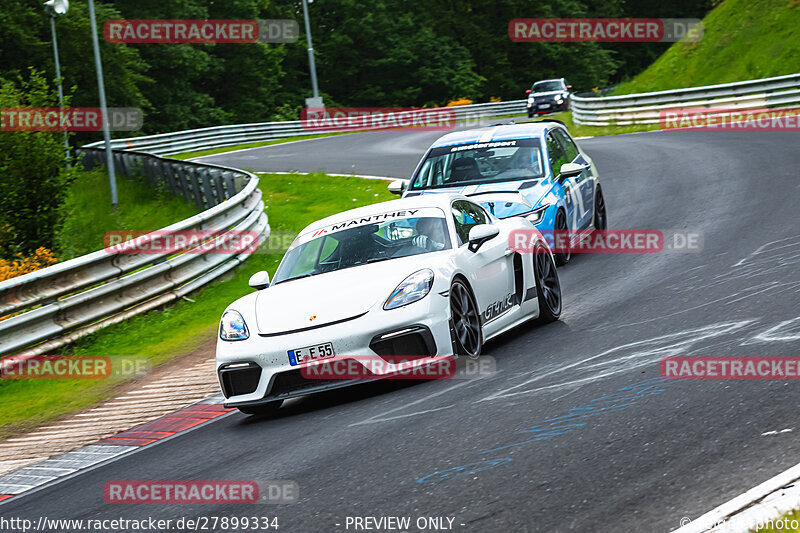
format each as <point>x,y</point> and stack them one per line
<point>645,108</point>
<point>220,136</point>
<point>56,305</point>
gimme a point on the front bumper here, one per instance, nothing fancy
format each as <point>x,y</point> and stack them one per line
<point>546,106</point>
<point>259,370</point>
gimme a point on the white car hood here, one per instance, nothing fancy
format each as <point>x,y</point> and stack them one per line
<point>331,297</point>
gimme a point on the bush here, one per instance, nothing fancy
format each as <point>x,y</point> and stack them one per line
<point>32,174</point>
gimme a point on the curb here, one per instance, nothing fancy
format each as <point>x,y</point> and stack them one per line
<point>33,477</point>
<point>768,501</point>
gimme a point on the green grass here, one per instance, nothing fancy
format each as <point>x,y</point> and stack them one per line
<point>223,149</point>
<point>581,130</point>
<point>88,216</point>
<point>293,201</point>
<point>743,40</point>
<point>769,528</point>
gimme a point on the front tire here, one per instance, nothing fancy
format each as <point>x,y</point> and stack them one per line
<point>600,218</point>
<point>548,287</point>
<point>262,409</point>
<point>465,321</point>
<point>562,258</point>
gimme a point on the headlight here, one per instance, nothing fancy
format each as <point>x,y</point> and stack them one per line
<point>559,100</point>
<point>411,289</point>
<point>536,215</point>
<point>232,327</point>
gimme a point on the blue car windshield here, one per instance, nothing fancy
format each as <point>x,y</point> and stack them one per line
<point>472,164</point>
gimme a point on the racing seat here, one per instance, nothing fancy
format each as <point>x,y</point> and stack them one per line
<point>464,169</point>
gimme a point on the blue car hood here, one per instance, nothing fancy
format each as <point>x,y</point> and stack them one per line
<point>533,189</point>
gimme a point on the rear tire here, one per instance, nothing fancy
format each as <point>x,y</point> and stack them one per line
<point>562,258</point>
<point>465,321</point>
<point>263,409</point>
<point>548,287</point>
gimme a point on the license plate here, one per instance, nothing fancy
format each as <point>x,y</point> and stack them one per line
<point>310,353</point>
<point>544,106</point>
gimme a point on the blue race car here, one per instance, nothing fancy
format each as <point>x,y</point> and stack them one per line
<point>542,172</point>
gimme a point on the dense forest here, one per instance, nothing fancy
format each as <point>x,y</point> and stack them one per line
<point>368,53</point>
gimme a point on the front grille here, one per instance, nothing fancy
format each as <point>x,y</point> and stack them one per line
<point>294,381</point>
<point>237,380</point>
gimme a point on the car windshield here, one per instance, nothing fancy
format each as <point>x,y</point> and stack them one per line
<point>453,166</point>
<point>363,241</point>
<point>546,86</point>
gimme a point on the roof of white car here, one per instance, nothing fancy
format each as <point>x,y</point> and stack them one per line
<point>505,132</point>
<point>441,201</point>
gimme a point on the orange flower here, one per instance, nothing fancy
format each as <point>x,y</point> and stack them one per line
<point>41,258</point>
<point>460,101</point>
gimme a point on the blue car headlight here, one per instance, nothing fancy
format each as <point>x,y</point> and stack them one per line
<point>411,289</point>
<point>232,327</point>
<point>537,215</point>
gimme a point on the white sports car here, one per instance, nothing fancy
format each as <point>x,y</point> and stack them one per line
<point>426,277</point>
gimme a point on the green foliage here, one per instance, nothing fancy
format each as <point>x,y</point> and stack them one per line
<point>368,53</point>
<point>32,173</point>
<point>744,39</point>
<point>87,215</point>
<point>25,41</point>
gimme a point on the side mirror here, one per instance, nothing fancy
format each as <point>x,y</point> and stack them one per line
<point>569,86</point>
<point>569,170</point>
<point>480,234</point>
<point>398,186</point>
<point>528,91</point>
<point>259,280</point>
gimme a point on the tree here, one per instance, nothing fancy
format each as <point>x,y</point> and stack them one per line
<point>32,173</point>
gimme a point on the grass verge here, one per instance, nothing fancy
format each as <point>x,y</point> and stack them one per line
<point>88,216</point>
<point>743,40</point>
<point>783,525</point>
<point>293,201</point>
<point>582,130</point>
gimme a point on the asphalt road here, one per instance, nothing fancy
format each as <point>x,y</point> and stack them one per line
<point>575,431</point>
